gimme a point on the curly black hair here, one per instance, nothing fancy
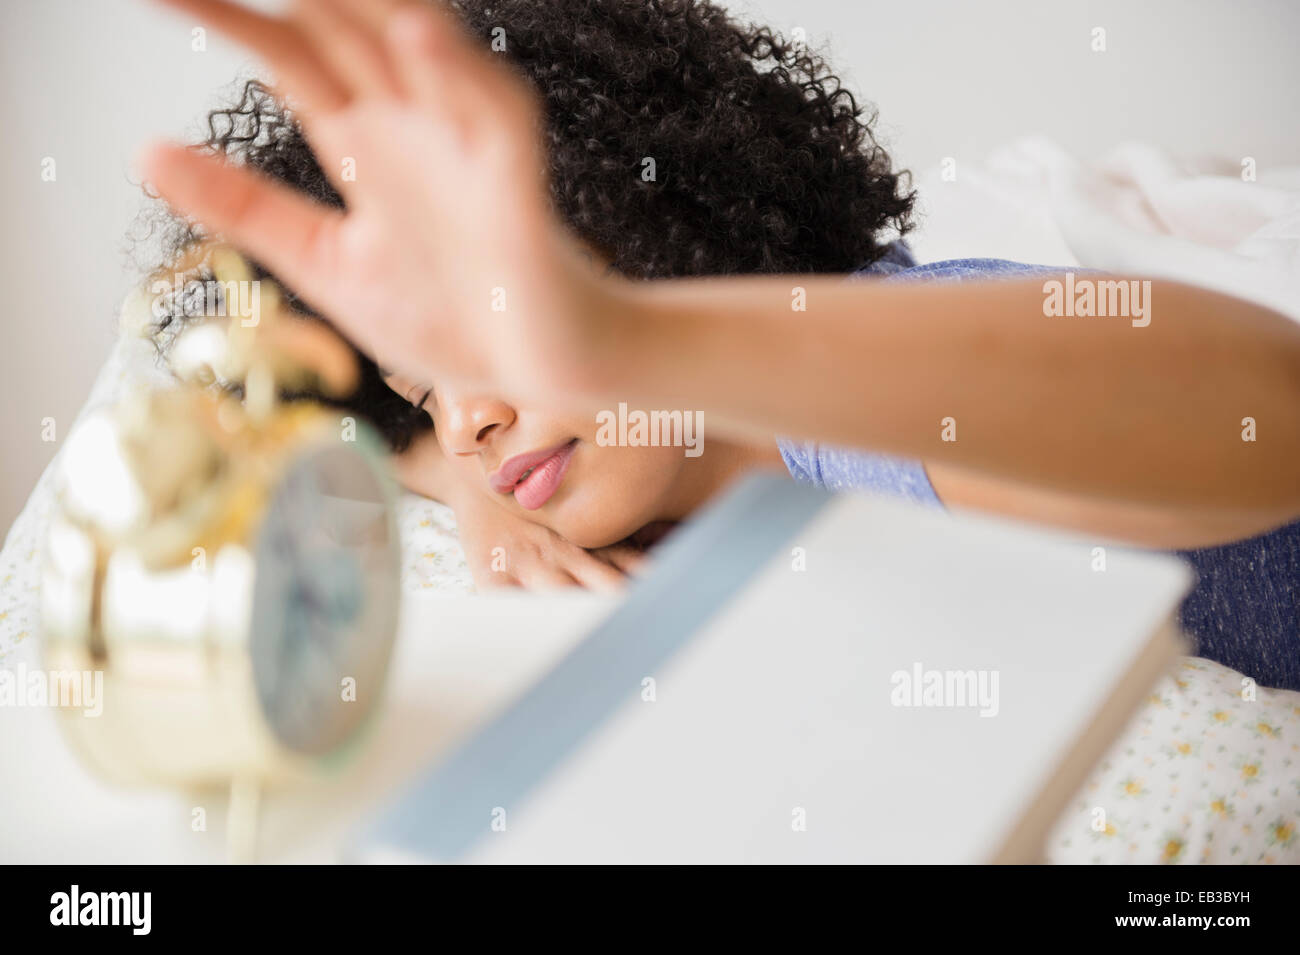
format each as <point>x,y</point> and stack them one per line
<point>679,143</point>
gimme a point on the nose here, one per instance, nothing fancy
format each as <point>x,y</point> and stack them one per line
<point>470,422</point>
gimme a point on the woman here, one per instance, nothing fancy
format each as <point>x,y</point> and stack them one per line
<point>500,283</point>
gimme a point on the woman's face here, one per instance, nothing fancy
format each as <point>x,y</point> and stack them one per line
<point>550,469</point>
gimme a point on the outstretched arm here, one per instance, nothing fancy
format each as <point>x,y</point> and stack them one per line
<point>449,262</point>
<point>973,378</point>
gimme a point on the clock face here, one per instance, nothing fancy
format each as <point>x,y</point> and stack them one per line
<point>325,599</point>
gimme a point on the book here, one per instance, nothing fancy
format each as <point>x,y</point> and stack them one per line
<point>813,678</point>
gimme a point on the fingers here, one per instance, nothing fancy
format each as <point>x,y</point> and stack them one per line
<point>627,559</point>
<point>328,52</point>
<point>567,567</point>
<point>295,61</point>
<point>440,66</point>
<point>543,577</point>
<point>485,579</point>
<point>595,574</point>
<point>373,15</point>
<point>350,44</point>
<point>420,43</point>
<point>290,234</point>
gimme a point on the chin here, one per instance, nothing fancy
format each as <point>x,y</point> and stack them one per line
<point>596,524</point>
<point>590,535</point>
<point>613,494</point>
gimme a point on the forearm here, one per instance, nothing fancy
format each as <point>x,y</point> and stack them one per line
<point>1085,405</point>
<point>1144,525</point>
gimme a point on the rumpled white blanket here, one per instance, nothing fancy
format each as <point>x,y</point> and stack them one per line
<point>1230,225</point>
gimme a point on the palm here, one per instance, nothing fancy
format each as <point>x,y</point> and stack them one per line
<point>444,245</point>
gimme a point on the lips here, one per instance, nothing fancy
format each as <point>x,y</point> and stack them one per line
<point>534,477</point>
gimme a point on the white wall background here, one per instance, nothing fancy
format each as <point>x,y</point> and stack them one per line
<point>87,81</point>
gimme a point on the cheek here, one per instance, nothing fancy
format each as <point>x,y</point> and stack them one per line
<point>617,491</point>
<point>466,467</point>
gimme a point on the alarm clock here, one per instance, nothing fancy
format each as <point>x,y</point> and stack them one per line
<point>229,562</point>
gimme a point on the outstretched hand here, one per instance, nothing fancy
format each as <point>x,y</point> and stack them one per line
<point>448,261</point>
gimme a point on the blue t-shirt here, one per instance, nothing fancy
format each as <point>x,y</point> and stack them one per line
<point>1244,611</point>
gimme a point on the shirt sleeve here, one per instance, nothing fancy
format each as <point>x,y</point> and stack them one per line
<point>848,469</point>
